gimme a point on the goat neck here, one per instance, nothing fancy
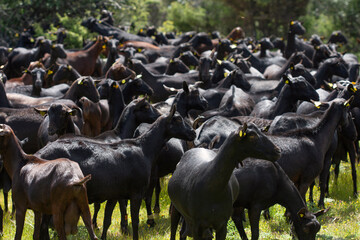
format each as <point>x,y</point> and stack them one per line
<point>223,164</point>
<point>284,103</point>
<point>13,155</point>
<point>322,74</point>
<point>127,123</point>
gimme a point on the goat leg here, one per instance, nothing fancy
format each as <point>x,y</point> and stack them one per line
<point>323,179</point>
<point>1,220</point>
<point>109,208</point>
<point>86,215</point>
<point>135,204</point>
<point>254,218</point>
<point>44,227</point>
<point>221,233</point>
<point>20,218</point>
<point>175,218</point>
<point>58,218</point>
<point>96,211</point>
<point>124,216</point>
<point>157,197</point>
<point>352,155</point>
<point>37,225</point>
<point>237,218</point>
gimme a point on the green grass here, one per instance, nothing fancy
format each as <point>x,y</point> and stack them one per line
<point>342,221</point>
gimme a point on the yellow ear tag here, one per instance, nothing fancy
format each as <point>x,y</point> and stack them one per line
<point>53,46</point>
<point>103,46</point>
<point>287,82</point>
<point>153,37</point>
<point>32,40</point>
<point>69,67</point>
<point>42,113</point>
<point>219,61</point>
<point>301,215</point>
<point>242,134</point>
<point>99,21</point>
<point>16,34</point>
<point>336,34</point>
<point>226,74</point>
<point>80,82</point>
<point>10,49</point>
<point>317,104</point>
<point>292,23</point>
<point>192,67</point>
<point>123,81</point>
<point>292,68</point>
<point>171,60</point>
<point>347,104</point>
<point>139,50</point>
<point>121,45</point>
<point>232,60</point>
<point>353,89</point>
<point>231,39</point>
<point>116,85</point>
<point>233,46</point>
<point>49,72</point>
<point>141,30</point>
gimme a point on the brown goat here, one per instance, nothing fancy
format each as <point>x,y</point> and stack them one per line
<point>47,187</point>
<point>26,78</point>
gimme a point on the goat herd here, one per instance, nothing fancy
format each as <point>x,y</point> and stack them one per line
<point>238,124</point>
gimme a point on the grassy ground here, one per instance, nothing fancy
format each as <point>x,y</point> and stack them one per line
<point>342,221</point>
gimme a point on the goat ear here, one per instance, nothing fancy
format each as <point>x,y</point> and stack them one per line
<point>286,79</point>
<point>42,112</point>
<point>171,89</point>
<point>186,87</point>
<point>317,104</point>
<point>242,131</point>
<point>172,112</point>
<point>265,129</point>
<point>140,102</point>
<point>292,66</point>
<point>302,212</point>
<point>321,212</point>
<point>349,101</point>
<point>351,88</point>
<point>116,85</point>
<point>72,112</point>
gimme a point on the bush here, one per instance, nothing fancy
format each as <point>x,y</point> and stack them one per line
<point>186,17</point>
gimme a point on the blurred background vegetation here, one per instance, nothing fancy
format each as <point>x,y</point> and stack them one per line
<point>257,17</point>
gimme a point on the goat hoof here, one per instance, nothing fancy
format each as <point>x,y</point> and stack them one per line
<point>150,223</point>
<point>157,209</point>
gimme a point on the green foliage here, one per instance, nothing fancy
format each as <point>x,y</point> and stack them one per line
<point>75,32</point>
<point>167,26</point>
<point>186,17</point>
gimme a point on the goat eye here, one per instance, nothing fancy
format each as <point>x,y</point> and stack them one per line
<point>146,106</point>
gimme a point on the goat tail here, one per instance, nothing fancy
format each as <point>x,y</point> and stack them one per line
<point>82,181</point>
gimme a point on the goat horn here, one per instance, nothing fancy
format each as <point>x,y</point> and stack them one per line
<point>196,122</point>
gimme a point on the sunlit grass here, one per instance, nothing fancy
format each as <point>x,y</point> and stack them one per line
<point>342,221</point>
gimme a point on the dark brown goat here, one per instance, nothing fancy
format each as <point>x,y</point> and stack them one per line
<point>47,187</point>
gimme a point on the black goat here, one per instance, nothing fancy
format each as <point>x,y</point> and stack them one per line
<point>203,187</point>
<point>269,185</point>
